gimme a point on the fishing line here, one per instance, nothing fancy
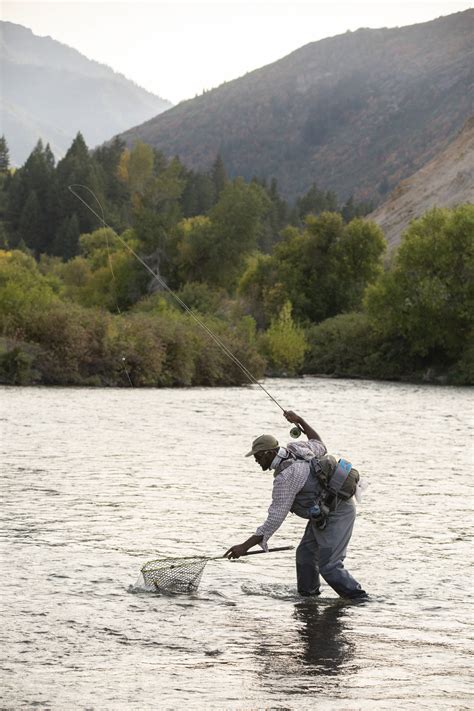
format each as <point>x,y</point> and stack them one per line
<point>109,257</point>
<point>165,286</point>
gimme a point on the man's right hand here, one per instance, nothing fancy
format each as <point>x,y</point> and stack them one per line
<point>236,551</point>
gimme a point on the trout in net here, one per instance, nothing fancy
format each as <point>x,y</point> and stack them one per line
<point>183,575</point>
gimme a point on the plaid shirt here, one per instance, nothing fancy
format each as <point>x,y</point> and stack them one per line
<point>287,484</point>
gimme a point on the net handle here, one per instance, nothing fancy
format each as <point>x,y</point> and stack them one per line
<point>270,550</point>
<point>221,557</point>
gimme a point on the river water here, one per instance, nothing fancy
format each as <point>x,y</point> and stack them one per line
<point>96,482</point>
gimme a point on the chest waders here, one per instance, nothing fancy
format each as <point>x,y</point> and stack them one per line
<point>329,486</point>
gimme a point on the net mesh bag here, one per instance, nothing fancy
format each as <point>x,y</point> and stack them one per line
<point>174,574</point>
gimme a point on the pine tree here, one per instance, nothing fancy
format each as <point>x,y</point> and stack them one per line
<point>219,175</point>
<point>49,157</point>
<point>30,221</point>
<point>15,201</point>
<point>35,172</point>
<point>331,201</point>
<point>275,220</point>
<point>20,191</point>
<point>198,195</point>
<point>4,156</point>
<point>351,209</point>
<point>78,167</point>
<point>66,244</point>
<point>36,176</point>
<point>280,207</point>
<point>313,202</point>
<point>5,178</point>
<point>348,211</point>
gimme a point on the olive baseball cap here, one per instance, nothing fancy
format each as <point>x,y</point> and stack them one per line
<point>263,444</point>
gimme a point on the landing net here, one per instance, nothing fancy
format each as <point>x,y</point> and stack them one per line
<point>174,574</point>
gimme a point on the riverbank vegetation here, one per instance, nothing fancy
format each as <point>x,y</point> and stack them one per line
<point>295,289</point>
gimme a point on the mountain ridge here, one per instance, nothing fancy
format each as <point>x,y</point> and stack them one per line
<point>350,112</point>
<point>57,92</point>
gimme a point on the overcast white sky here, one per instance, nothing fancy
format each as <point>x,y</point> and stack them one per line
<point>177,49</point>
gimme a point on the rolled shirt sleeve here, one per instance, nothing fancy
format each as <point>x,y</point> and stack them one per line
<point>308,450</point>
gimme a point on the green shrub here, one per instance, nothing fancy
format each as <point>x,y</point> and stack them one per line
<point>348,345</point>
<point>339,345</point>
<point>201,297</point>
<point>23,291</point>
<point>16,367</point>
<point>136,350</point>
<point>284,343</point>
<point>169,348</point>
<point>73,343</point>
<point>462,373</point>
<point>214,366</point>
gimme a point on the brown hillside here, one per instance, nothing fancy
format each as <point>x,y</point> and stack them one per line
<point>355,113</point>
<point>445,181</point>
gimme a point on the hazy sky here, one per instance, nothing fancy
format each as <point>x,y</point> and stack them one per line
<point>179,48</point>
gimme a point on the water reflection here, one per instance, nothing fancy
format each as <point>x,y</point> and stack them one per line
<point>326,647</point>
<point>316,644</point>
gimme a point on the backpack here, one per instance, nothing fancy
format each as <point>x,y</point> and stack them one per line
<point>337,478</point>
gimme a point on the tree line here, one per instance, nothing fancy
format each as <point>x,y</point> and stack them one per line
<point>302,288</point>
<point>137,188</point>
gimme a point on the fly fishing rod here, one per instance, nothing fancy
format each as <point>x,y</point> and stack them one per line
<point>296,430</point>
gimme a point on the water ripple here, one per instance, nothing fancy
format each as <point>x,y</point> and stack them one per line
<point>96,482</point>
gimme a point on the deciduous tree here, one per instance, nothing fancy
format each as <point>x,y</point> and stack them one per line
<point>427,297</point>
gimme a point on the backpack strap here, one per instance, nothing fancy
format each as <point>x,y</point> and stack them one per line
<point>288,461</point>
<point>284,464</point>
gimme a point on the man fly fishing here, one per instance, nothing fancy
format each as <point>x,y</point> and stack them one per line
<point>315,486</point>
<point>307,481</point>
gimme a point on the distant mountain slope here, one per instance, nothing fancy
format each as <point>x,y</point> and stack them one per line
<point>51,91</point>
<point>355,113</point>
<point>447,180</point>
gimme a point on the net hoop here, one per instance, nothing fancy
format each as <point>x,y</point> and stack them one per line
<point>174,574</point>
